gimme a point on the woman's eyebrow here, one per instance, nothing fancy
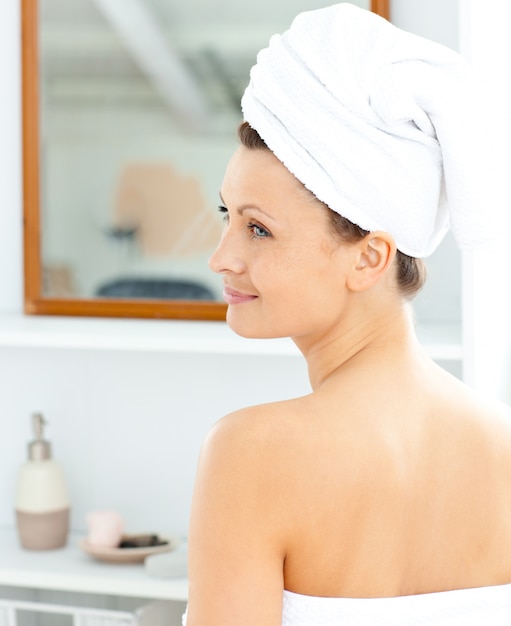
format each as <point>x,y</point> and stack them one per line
<point>245,207</point>
<point>254,207</point>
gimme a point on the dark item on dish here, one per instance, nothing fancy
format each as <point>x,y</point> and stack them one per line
<point>142,541</point>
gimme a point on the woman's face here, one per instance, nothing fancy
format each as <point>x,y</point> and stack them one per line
<point>282,266</point>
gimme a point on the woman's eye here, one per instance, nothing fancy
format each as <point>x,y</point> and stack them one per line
<point>258,231</point>
<point>224,212</point>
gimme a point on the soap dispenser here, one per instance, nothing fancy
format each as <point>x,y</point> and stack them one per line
<point>42,498</point>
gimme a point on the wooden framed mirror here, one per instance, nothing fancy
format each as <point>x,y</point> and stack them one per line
<point>128,123</point>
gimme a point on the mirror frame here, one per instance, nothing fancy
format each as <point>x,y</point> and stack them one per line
<point>35,303</point>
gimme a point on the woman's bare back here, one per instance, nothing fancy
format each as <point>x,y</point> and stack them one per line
<point>403,487</point>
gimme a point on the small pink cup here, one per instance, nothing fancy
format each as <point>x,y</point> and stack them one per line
<point>105,529</point>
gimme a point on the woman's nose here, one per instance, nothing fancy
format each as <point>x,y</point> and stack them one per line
<point>226,258</point>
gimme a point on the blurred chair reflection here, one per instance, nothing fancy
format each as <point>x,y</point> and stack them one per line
<point>155,289</point>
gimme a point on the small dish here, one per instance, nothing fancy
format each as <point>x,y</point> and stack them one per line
<point>127,555</point>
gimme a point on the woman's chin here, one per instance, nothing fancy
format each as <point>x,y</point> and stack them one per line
<point>250,329</point>
<point>243,330</point>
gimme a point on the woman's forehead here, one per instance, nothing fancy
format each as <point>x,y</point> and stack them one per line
<point>259,171</point>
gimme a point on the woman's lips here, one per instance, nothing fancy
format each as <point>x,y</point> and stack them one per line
<point>231,296</point>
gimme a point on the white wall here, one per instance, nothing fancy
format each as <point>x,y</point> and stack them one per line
<point>484,38</point>
<point>10,159</point>
<point>127,426</point>
<point>434,19</point>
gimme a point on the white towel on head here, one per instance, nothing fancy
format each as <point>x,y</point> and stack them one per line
<point>380,124</point>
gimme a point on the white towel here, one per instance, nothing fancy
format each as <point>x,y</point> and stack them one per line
<point>380,124</point>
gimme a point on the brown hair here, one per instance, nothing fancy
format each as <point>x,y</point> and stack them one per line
<point>410,272</point>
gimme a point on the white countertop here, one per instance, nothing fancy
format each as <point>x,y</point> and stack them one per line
<point>69,569</point>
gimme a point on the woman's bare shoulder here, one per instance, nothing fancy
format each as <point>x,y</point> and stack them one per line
<point>279,447</point>
<point>475,408</point>
<point>239,520</point>
<point>258,428</point>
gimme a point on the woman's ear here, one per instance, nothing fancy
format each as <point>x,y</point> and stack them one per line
<point>373,256</point>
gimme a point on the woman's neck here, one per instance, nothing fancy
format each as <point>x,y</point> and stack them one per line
<point>358,336</point>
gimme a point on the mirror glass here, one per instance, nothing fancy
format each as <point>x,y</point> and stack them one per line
<point>139,102</point>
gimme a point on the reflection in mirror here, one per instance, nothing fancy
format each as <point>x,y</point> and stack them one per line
<point>128,129</point>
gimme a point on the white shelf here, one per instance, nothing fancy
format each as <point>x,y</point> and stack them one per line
<point>133,335</point>
<point>442,341</point>
<point>69,569</point>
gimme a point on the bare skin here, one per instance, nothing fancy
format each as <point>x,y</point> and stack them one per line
<point>390,478</point>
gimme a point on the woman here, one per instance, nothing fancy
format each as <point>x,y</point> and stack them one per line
<point>390,481</point>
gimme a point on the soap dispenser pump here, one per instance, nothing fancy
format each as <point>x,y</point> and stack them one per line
<point>42,498</point>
